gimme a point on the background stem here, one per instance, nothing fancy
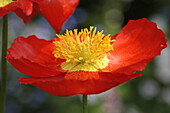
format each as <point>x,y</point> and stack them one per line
<point>4,64</point>
<point>85,108</point>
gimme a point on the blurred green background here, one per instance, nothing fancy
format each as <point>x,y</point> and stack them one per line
<point>147,94</point>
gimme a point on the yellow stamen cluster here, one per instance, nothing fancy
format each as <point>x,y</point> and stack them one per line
<point>5,2</point>
<point>84,47</point>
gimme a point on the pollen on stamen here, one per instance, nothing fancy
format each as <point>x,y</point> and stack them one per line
<point>80,58</point>
<point>84,47</point>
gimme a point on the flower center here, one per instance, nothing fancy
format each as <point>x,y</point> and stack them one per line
<point>86,50</point>
<point>5,2</point>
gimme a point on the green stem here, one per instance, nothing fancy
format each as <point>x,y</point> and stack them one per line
<point>4,64</point>
<point>85,107</point>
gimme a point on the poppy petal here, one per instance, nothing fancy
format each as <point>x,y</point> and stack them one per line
<point>135,46</point>
<point>8,8</point>
<point>58,12</point>
<point>32,55</point>
<point>26,6</point>
<point>26,18</point>
<point>60,86</point>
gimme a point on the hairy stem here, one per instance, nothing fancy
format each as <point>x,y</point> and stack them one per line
<point>4,64</point>
<point>85,107</point>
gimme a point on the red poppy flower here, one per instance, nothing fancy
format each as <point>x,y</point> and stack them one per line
<point>55,11</point>
<point>86,62</point>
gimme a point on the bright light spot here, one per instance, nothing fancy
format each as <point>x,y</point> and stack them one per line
<point>148,89</point>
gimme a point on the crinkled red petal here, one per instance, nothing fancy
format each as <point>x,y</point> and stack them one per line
<point>33,69</point>
<point>29,16</point>
<point>26,6</point>
<point>135,46</point>
<point>60,86</point>
<point>57,11</point>
<point>33,56</point>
